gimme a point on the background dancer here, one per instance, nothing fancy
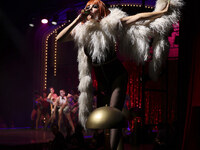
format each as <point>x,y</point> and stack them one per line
<point>51,98</point>
<point>63,109</point>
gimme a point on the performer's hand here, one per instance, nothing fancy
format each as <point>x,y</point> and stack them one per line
<point>83,15</point>
<point>53,117</point>
<point>167,7</point>
<point>74,110</point>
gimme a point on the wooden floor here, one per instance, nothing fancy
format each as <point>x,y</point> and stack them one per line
<point>23,139</point>
<point>24,136</point>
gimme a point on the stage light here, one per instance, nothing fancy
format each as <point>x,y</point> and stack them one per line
<point>54,23</point>
<point>31,25</point>
<point>32,22</point>
<point>44,21</point>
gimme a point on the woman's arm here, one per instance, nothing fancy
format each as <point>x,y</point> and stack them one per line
<point>147,15</point>
<point>65,34</point>
<point>64,105</point>
<point>55,105</point>
<point>49,96</point>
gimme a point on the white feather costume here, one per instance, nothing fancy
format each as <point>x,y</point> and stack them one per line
<point>97,37</point>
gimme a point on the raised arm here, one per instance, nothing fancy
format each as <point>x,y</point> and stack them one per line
<point>142,16</point>
<point>49,96</point>
<point>65,35</point>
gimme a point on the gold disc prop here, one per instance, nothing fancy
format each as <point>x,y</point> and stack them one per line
<point>106,118</point>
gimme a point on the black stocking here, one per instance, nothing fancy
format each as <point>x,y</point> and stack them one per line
<point>117,100</point>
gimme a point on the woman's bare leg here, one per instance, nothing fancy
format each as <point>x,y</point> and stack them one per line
<point>117,100</point>
<point>49,120</point>
<point>70,121</point>
<point>60,120</point>
<point>38,117</point>
<point>33,114</point>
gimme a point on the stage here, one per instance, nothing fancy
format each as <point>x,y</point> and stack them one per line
<point>25,139</point>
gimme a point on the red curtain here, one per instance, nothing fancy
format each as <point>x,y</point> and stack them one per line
<point>191,131</point>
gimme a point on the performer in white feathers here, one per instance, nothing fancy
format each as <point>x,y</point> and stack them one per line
<point>95,32</point>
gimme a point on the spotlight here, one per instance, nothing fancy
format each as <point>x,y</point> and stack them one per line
<point>55,20</point>
<point>31,25</point>
<point>32,22</point>
<point>44,21</point>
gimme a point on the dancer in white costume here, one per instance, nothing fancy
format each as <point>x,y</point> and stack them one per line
<point>97,29</point>
<point>63,108</point>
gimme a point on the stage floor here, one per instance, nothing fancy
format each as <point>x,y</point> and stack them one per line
<point>12,137</point>
<point>23,139</point>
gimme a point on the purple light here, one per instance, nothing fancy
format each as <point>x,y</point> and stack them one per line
<point>44,21</point>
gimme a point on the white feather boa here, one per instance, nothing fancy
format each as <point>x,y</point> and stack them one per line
<point>96,37</point>
<point>136,38</point>
<point>134,44</point>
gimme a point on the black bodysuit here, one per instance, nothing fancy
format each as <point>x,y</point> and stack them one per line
<point>106,74</point>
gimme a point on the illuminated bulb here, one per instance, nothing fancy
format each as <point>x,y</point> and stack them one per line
<point>44,21</point>
<point>31,25</point>
<point>54,23</point>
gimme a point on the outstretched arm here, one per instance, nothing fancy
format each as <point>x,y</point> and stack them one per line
<point>65,35</point>
<point>141,16</point>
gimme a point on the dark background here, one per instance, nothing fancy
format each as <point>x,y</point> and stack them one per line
<point>19,58</point>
